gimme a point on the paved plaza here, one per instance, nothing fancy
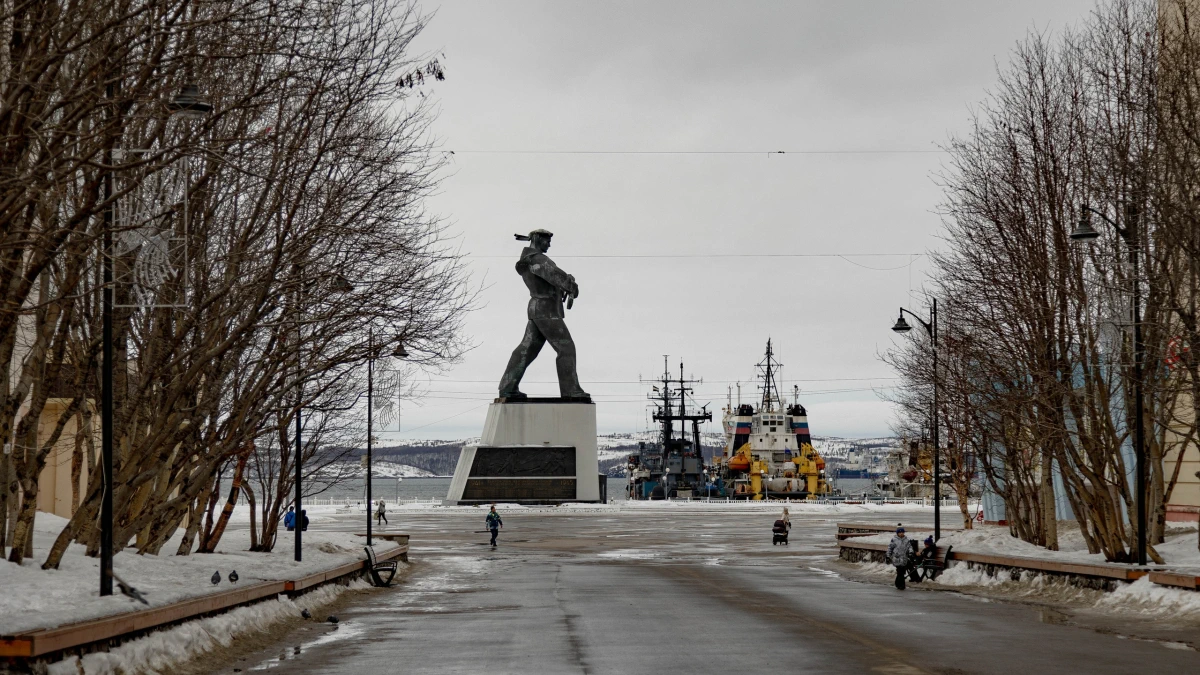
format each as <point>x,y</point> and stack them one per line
<point>683,590</point>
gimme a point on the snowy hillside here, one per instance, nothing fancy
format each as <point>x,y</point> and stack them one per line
<point>381,468</point>
<point>438,457</point>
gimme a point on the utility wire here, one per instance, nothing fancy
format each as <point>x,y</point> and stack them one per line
<point>868,151</point>
<point>706,380</point>
<point>843,256</point>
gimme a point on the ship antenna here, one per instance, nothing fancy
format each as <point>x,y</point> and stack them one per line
<point>770,387</point>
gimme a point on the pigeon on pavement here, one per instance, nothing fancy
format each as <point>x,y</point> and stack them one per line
<point>233,577</point>
<point>332,619</point>
<point>305,614</point>
<point>216,577</point>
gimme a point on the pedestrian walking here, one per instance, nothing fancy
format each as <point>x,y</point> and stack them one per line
<point>494,523</point>
<point>787,519</point>
<point>289,519</point>
<point>381,514</point>
<point>900,555</point>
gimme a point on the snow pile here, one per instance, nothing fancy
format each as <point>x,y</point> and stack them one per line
<point>1148,598</point>
<point>1179,551</point>
<point>161,651</point>
<point>35,598</point>
<point>960,575</point>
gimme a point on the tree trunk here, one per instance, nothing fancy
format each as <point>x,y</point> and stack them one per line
<point>22,541</point>
<point>214,537</point>
<point>5,484</point>
<point>77,462</point>
<point>253,516</point>
<point>194,518</point>
<point>1049,503</point>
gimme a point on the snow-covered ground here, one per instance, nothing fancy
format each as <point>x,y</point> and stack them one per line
<point>35,598</point>
<point>1179,552</point>
<point>1142,597</point>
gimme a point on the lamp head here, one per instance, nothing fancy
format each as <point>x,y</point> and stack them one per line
<point>901,325</point>
<point>400,352</point>
<point>189,104</point>
<point>1084,230</point>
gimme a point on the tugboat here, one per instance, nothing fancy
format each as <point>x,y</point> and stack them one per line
<point>672,467</point>
<point>768,453</point>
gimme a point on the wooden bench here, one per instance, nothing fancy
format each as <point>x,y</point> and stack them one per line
<point>852,530</point>
<point>1177,579</point>
<point>932,567</point>
<point>398,537</point>
<point>374,567</point>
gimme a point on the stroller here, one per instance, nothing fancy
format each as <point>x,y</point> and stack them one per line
<point>779,533</point>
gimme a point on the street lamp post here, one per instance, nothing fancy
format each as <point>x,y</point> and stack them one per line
<point>299,521</point>
<point>931,328</point>
<point>188,104</point>
<point>1085,233</point>
<point>106,384</point>
<point>398,352</point>
<point>370,429</point>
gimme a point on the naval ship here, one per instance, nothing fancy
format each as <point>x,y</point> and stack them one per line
<point>673,466</point>
<point>768,452</point>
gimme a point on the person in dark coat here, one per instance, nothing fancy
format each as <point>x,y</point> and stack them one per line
<point>900,554</point>
<point>494,524</point>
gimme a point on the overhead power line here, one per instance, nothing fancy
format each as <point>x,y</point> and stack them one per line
<point>725,255</point>
<point>865,151</point>
<point>707,381</point>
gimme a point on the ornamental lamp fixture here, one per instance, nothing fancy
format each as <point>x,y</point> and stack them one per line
<point>1084,231</point>
<point>189,103</point>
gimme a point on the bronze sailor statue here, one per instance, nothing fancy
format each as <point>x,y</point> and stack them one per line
<point>549,287</point>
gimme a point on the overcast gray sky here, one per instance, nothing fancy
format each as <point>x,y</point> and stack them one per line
<point>711,80</point>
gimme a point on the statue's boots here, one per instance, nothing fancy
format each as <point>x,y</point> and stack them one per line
<point>568,378</point>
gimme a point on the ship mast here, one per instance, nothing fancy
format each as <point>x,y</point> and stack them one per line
<point>667,414</point>
<point>770,387</point>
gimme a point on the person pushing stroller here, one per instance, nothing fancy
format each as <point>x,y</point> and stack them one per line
<point>779,531</point>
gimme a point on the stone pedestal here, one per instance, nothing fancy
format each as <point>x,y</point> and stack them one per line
<point>532,451</point>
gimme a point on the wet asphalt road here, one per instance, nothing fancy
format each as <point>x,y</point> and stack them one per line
<point>664,592</point>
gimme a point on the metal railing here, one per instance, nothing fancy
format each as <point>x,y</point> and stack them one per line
<point>358,503</point>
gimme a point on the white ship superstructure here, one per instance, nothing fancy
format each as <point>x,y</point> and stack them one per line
<point>768,452</point>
